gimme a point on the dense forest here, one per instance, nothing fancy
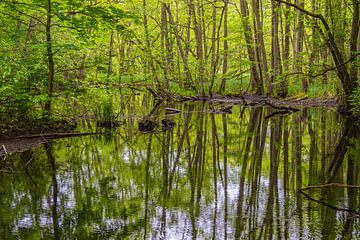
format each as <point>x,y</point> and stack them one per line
<point>54,50</point>
<point>192,119</point>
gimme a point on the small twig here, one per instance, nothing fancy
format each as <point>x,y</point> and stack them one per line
<point>330,185</point>
<point>357,214</point>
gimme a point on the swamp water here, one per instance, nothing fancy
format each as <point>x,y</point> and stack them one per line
<point>210,176</point>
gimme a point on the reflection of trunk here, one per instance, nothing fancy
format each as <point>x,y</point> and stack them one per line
<point>350,133</point>
<point>215,155</point>
<point>296,150</point>
<point>55,218</point>
<point>196,170</point>
<point>275,146</point>
<point>253,122</point>
<point>180,147</point>
<point>323,145</point>
<point>313,151</point>
<point>165,159</point>
<point>352,169</point>
<point>297,166</point>
<point>225,175</point>
<point>147,176</point>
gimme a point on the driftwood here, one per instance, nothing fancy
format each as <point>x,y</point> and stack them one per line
<point>172,111</point>
<point>281,107</point>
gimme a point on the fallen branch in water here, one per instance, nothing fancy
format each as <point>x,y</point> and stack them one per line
<point>330,185</point>
<point>288,108</point>
<point>357,214</point>
<point>59,135</point>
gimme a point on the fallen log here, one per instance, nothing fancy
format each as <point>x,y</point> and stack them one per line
<point>58,135</point>
<point>288,108</point>
<point>171,111</point>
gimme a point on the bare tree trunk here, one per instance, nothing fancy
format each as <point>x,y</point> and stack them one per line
<point>181,50</point>
<point>286,50</point>
<point>213,50</point>
<point>148,51</point>
<point>260,46</point>
<point>111,54</point>
<point>226,48</point>
<point>50,58</point>
<point>275,47</point>
<point>199,43</point>
<point>256,80</point>
<point>166,47</point>
<point>300,33</point>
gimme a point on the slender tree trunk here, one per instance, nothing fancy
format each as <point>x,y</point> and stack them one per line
<point>148,51</point>
<point>275,47</point>
<point>354,40</point>
<point>263,67</point>
<point>50,58</point>
<point>213,49</point>
<point>111,54</point>
<point>286,51</point>
<point>300,33</point>
<point>199,43</point>
<point>226,48</point>
<point>256,80</point>
<point>183,54</point>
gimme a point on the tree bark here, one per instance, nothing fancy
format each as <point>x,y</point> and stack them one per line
<point>226,48</point>
<point>256,81</point>
<point>50,58</point>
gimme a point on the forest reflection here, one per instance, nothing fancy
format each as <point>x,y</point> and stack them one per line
<point>210,176</point>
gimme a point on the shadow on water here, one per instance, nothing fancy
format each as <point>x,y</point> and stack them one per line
<point>249,174</point>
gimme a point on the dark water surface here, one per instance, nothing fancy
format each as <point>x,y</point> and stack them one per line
<point>211,176</point>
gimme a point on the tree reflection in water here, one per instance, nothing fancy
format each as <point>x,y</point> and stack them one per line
<point>213,176</point>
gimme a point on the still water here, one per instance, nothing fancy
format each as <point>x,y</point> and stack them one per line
<point>210,176</point>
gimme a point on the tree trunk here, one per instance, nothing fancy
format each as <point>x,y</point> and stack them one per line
<point>199,44</point>
<point>226,48</point>
<point>111,54</point>
<point>256,81</point>
<point>260,46</point>
<point>181,50</point>
<point>50,58</point>
<point>275,47</point>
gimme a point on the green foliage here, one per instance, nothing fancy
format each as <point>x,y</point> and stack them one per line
<point>105,112</point>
